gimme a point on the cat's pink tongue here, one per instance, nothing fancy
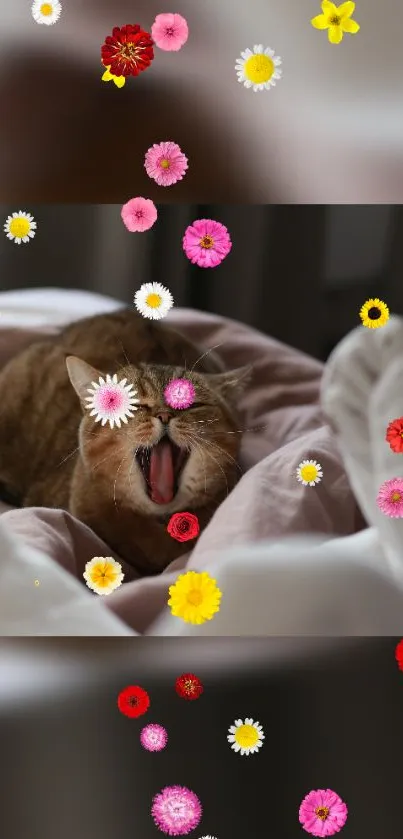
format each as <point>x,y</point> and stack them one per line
<point>161,476</point>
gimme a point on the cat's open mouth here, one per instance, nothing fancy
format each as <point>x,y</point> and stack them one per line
<point>162,466</point>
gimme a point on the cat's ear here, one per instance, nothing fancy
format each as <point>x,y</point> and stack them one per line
<point>81,375</point>
<point>231,384</point>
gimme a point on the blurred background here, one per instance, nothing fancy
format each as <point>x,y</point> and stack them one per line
<point>297,273</point>
<point>73,765</point>
<point>330,132</point>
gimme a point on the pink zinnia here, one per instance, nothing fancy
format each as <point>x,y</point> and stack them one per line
<point>139,214</point>
<point>154,737</point>
<point>179,393</point>
<point>170,32</point>
<point>322,812</point>
<point>206,242</point>
<point>176,810</point>
<point>165,163</point>
<point>390,498</point>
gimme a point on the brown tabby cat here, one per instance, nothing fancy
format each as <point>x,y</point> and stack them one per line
<point>126,482</point>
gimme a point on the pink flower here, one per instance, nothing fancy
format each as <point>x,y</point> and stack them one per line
<point>139,214</point>
<point>165,163</point>
<point>390,498</point>
<point>322,812</point>
<point>206,243</point>
<point>176,810</point>
<point>179,393</point>
<point>154,737</point>
<point>170,32</point>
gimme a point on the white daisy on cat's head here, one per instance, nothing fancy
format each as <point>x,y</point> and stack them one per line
<point>46,12</point>
<point>259,69</point>
<point>246,736</point>
<point>153,301</point>
<point>111,401</point>
<point>20,227</point>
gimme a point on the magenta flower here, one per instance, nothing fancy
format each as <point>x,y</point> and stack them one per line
<point>390,498</point>
<point>322,812</point>
<point>179,393</point>
<point>139,214</point>
<point>165,163</point>
<point>154,737</point>
<point>170,32</point>
<point>206,243</point>
<point>176,811</point>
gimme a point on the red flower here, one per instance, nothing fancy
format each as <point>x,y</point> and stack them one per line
<point>183,526</point>
<point>128,51</point>
<point>133,701</point>
<point>188,686</point>
<point>394,435</point>
<point>399,654</point>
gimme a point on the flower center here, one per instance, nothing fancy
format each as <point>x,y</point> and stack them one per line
<point>19,227</point>
<point>169,30</point>
<point>189,686</point>
<point>165,164</point>
<point>309,473</point>
<point>374,313</point>
<point>133,701</point>
<point>396,496</point>
<point>194,597</point>
<point>246,736</point>
<point>335,20</point>
<point>206,242</point>
<point>129,50</point>
<point>322,813</point>
<point>154,301</point>
<point>259,68</point>
<point>46,9</point>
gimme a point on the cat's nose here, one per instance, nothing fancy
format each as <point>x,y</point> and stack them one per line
<point>164,416</point>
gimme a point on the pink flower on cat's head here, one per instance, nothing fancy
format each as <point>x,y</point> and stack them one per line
<point>322,812</point>
<point>179,394</point>
<point>111,401</point>
<point>170,32</point>
<point>206,242</point>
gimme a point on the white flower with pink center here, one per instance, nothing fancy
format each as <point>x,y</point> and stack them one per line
<point>111,401</point>
<point>179,394</point>
<point>154,737</point>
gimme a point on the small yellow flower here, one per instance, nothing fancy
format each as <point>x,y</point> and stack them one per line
<point>337,19</point>
<point>109,77</point>
<point>374,313</point>
<point>103,574</point>
<point>309,473</point>
<point>195,597</point>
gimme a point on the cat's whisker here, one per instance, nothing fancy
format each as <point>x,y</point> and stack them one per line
<point>198,444</point>
<point>198,447</point>
<point>115,481</point>
<point>227,455</point>
<point>204,355</point>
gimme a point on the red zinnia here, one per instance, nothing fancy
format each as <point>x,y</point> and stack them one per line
<point>128,51</point>
<point>394,435</point>
<point>183,526</point>
<point>188,686</point>
<point>399,654</point>
<point>133,701</point>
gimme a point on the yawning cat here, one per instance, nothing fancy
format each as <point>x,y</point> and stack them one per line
<point>124,483</point>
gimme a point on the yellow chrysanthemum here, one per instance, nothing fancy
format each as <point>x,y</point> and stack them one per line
<point>374,313</point>
<point>103,574</point>
<point>109,77</point>
<point>195,597</point>
<point>337,20</point>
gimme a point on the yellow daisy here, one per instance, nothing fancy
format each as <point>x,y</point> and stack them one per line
<point>20,227</point>
<point>195,597</point>
<point>103,574</point>
<point>337,20</point>
<point>374,313</point>
<point>109,77</point>
<point>309,472</point>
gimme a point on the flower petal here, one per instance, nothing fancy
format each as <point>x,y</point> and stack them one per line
<point>107,76</point>
<point>346,9</point>
<point>335,34</point>
<point>329,8</point>
<point>320,22</point>
<point>119,80</point>
<point>350,26</point>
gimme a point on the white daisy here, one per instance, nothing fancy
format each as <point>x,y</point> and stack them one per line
<point>20,227</point>
<point>259,69</point>
<point>47,13</point>
<point>111,401</point>
<point>309,472</point>
<point>103,574</point>
<point>246,736</point>
<point>207,837</point>
<point>153,301</point>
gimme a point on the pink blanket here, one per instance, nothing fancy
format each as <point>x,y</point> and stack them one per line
<point>282,414</point>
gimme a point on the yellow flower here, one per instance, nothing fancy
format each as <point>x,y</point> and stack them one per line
<point>374,313</point>
<point>194,597</point>
<point>109,77</point>
<point>337,19</point>
<point>103,574</point>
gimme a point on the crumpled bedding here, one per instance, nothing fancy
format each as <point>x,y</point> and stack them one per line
<point>281,410</point>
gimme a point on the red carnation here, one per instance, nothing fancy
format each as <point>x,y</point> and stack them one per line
<point>394,435</point>
<point>188,686</point>
<point>133,701</point>
<point>128,51</point>
<point>399,654</point>
<point>183,526</point>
